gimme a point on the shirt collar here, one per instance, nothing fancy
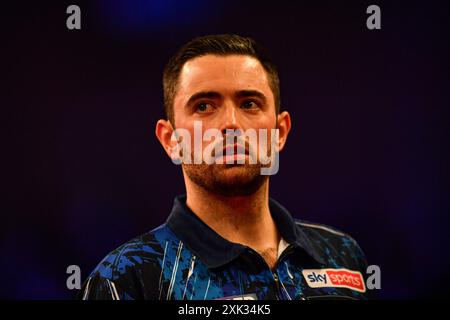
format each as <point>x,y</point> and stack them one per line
<point>213,249</point>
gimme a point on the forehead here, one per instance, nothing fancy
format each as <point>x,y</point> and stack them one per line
<point>222,73</point>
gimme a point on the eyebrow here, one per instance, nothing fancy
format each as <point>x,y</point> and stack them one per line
<point>204,94</point>
<point>251,93</point>
<point>217,95</point>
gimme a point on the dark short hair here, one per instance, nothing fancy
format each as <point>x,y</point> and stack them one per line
<point>221,45</point>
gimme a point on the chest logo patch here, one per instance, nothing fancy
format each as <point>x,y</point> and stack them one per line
<point>340,278</point>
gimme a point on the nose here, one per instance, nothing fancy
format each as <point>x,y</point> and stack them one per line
<point>230,118</point>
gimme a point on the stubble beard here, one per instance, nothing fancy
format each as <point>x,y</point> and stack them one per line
<point>229,180</point>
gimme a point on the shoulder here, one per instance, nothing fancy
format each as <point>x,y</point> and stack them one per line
<point>333,243</point>
<point>121,271</point>
<point>322,229</point>
<point>141,250</point>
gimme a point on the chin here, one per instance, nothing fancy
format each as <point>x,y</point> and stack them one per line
<point>237,176</point>
<point>237,172</point>
<point>227,180</point>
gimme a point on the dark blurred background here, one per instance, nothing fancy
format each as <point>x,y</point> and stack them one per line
<point>83,172</point>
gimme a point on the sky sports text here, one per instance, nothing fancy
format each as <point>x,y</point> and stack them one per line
<point>344,278</point>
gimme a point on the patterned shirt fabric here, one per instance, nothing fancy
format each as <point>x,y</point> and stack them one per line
<point>184,259</point>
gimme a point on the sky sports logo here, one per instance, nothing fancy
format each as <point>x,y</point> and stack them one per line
<point>341,278</point>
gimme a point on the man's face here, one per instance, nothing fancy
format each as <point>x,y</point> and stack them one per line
<point>225,92</point>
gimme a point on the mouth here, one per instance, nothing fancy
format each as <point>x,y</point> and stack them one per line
<point>235,149</point>
<point>232,153</point>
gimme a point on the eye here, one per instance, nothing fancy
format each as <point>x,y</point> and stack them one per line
<point>249,104</point>
<point>203,107</point>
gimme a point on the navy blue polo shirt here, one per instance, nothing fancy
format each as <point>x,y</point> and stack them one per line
<point>184,259</point>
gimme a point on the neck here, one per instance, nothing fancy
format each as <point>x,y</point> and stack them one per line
<point>241,219</point>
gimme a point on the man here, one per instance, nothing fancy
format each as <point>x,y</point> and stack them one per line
<point>226,239</point>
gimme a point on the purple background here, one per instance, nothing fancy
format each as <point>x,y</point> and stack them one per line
<point>368,153</point>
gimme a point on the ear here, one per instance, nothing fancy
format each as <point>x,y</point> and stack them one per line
<point>164,131</point>
<point>284,126</point>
